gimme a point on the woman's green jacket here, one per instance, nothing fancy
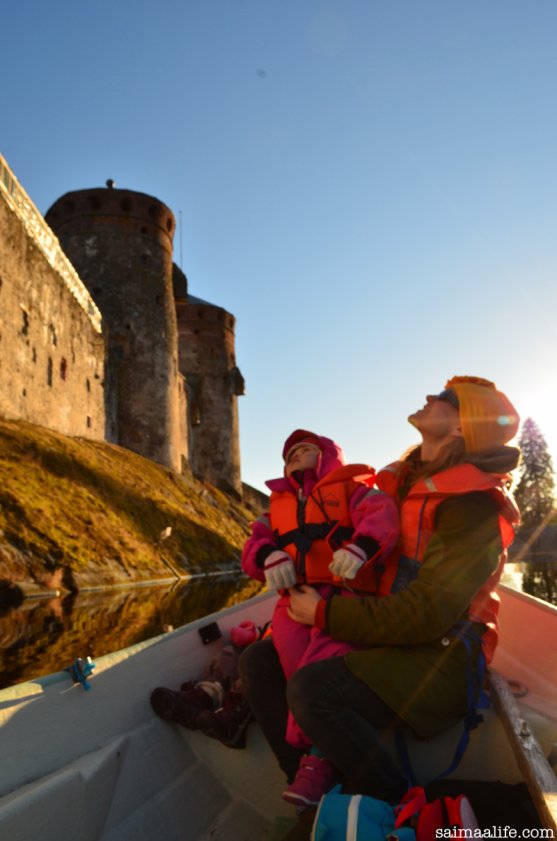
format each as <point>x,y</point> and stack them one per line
<point>414,663</point>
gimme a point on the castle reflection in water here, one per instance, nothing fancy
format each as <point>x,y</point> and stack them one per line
<point>46,635</point>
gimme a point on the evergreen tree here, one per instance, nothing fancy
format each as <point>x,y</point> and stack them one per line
<point>534,492</point>
<point>534,495</point>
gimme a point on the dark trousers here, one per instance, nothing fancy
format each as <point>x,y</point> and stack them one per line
<point>339,713</point>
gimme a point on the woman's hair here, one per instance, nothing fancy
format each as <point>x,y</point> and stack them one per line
<point>414,469</point>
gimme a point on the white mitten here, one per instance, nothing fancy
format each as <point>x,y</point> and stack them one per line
<point>347,561</point>
<point>280,572</point>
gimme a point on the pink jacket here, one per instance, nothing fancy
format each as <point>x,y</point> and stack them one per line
<point>373,513</point>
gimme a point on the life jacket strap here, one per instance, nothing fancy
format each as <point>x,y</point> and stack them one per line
<point>303,537</point>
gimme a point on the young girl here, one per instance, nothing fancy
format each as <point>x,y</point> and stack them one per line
<point>327,526</point>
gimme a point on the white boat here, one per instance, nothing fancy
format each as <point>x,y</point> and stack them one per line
<point>98,765</point>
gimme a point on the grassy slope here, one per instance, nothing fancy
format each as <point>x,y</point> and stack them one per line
<point>76,513</point>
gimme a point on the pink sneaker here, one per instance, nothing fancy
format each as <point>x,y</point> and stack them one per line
<point>314,778</point>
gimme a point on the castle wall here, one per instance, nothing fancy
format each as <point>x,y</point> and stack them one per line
<point>132,378</point>
<point>255,498</point>
<point>121,244</point>
<point>207,360</point>
<point>51,347</point>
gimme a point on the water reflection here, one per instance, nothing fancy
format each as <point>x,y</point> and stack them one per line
<point>536,578</point>
<point>540,580</point>
<point>46,635</point>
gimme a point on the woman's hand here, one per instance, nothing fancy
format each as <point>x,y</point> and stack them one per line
<point>303,602</point>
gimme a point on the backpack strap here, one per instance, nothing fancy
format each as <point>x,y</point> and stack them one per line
<point>476,699</point>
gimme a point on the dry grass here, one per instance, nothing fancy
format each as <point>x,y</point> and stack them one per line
<point>76,513</point>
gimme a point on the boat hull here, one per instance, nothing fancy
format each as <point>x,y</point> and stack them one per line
<point>100,766</point>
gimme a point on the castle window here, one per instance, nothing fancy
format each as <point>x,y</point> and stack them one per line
<point>49,371</point>
<point>24,392</point>
<point>126,205</point>
<point>88,384</point>
<point>88,422</point>
<point>53,336</point>
<point>34,355</point>
<point>63,368</point>
<point>95,203</point>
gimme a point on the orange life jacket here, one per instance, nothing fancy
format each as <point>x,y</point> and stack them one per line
<point>310,528</point>
<point>417,525</point>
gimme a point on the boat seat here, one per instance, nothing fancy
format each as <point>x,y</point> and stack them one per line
<point>489,755</point>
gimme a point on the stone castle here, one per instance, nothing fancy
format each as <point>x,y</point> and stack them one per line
<point>99,336</point>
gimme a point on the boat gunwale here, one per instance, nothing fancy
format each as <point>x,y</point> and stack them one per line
<point>526,597</point>
<point>107,660</point>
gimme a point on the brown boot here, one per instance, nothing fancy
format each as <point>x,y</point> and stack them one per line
<point>229,723</point>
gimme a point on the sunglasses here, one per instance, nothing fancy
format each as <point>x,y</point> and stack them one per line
<point>449,396</point>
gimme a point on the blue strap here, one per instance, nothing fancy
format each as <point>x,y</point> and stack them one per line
<point>476,698</point>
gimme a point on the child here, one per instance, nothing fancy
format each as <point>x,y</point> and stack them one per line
<point>327,525</point>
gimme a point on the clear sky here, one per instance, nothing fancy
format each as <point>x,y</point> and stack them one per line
<point>369,186</point>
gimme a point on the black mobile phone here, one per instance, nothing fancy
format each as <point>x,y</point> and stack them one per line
<point>210,633</point>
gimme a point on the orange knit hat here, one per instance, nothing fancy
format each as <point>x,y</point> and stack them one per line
<point>487,417</point>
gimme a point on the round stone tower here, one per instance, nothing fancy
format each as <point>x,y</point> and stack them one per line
<point>213,383</point>
<point>120,242</point>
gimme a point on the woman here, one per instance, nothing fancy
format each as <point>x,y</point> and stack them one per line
<point>439,618</point>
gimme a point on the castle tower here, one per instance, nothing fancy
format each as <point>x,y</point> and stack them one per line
<point>213,383</point>
<point>120,242</point>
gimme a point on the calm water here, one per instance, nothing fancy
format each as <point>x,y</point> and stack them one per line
<point>46,635</point>
<point>536,578</point>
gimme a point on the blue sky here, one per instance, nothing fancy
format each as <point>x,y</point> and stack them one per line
<point>369,186</point>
